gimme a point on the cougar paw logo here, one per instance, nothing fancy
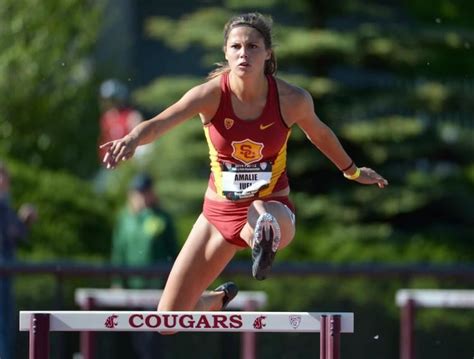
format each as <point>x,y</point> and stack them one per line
<point>295,321</point>
<point>111,322</point>
<point>259,322</point>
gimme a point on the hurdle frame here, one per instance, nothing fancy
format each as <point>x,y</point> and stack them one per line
<point>411,299</point>
<point>329,325</point>
<point>144,299</point>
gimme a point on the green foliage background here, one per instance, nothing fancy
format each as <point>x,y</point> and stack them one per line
<point>384,85</point>
<point>394,81</point>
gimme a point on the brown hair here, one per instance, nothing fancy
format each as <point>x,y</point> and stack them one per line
<point>259,22</point>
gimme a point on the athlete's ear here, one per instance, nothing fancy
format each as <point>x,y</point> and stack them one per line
<point>269,54</point>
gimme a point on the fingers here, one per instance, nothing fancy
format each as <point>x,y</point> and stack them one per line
<point>120,155</point>
<point>107,153</point>
<point>372,177</point>
<point>106,157</point>
<point>116,151</point>
<point>382,183</point>
<point>379,180</point>
<point>107,144</point>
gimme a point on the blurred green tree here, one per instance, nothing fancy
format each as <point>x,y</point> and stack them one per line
<point>48,82</point>
<point>395,82</point>
<point>394,88</point>
<point>48,124</point>
<point>69,225</point>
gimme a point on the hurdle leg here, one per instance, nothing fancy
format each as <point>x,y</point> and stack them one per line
<point>39,336</point>
<point>333,336</point>
<point>407,330</point>
<point>87,338</point>
<point>323,338</point>
<point>330,337</point>
<point>249,339</point>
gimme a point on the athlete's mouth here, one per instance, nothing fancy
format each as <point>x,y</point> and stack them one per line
<point>244,64</point>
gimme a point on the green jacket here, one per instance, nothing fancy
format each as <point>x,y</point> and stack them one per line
<point>143,239</point>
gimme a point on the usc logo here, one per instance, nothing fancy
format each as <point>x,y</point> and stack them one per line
<point>247,151</point>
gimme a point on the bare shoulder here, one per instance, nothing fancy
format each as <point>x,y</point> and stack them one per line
<point>208,88</point>
<point>207,95</point>
<point>294,101</point>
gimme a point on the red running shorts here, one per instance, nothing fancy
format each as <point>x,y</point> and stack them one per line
<point>230,217</point>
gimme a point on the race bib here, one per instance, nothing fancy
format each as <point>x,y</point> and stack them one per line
<point>244,181</point>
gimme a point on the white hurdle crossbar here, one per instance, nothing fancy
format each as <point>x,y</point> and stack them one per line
<point>147,299</point>
<point>330,325</point>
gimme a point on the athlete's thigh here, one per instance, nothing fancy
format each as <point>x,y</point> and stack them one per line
<point>280,211</point>
<point>203,257</point>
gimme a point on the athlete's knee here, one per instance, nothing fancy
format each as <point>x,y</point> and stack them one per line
<point>280,212</point>
<point>277,214</point>
<point>284,218</point>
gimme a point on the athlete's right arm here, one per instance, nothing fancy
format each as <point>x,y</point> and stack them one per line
<point>200,99</point>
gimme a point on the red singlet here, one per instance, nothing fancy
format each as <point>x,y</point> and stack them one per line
<point>248,158</point>
<point>248,161</point>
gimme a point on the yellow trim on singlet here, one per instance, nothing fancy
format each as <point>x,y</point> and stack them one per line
<point>279,167</point>
<point>215,166</point>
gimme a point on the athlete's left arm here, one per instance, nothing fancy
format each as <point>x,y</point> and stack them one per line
<point>327,142</point>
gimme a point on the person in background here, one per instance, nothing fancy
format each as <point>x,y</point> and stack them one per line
<point>13,228</point>
<point>144,235</point>
<point>118,116</point>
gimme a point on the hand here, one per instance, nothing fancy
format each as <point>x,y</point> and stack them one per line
<point>119,150</point>
<point>369,176</point>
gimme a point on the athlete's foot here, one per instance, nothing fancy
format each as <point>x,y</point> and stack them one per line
<point>266,240</point>
<point>230,290</point>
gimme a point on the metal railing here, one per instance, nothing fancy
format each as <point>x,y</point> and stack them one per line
<point>463,272</point>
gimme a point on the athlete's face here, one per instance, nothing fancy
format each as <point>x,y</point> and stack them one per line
<point>245,50</point>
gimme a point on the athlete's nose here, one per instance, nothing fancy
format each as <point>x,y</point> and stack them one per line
<point>243,52</point>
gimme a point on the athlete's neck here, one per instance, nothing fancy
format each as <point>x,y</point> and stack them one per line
<point>249,88</point>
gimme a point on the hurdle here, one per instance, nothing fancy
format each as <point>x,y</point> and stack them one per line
<point>410,299</point>
<point>144,299</point>
<point>330,325</point>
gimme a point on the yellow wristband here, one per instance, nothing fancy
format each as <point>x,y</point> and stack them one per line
<point>354,176</point>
